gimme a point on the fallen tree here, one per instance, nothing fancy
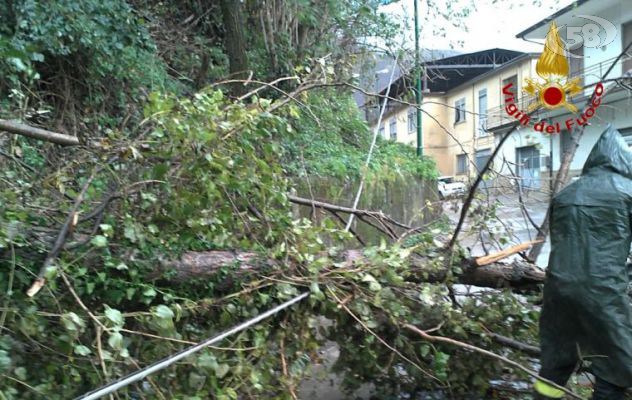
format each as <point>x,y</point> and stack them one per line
<point>517,274</point>
<point>226,190</point>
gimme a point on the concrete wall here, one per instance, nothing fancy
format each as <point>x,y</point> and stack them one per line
<point>403,198</point>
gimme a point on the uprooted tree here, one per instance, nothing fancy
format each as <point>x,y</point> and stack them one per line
<point>173,220</point>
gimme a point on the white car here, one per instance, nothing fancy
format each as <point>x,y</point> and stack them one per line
<point>448,187</point>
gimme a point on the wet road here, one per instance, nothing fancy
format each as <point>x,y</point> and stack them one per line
<point>511,223</point>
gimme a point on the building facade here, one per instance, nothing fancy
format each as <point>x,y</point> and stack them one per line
<point>539,155</point>
<point>458,95</point>
<point>465,113</point>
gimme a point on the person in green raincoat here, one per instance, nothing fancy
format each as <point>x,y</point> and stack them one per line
<point>587,314</point>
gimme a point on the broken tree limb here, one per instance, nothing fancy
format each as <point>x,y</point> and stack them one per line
<point>205,264</point>
<point>38,133</point>
<point>514,344</point>
<point>66,230</point>
<point>490,354</point>
<point>347,210</point>
<point>492,258</point>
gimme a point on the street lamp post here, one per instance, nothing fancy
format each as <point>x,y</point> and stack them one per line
<point>420,151</point>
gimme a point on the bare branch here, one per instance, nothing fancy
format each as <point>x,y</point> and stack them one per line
<point>332,207</point>
<point>487,353</point>
<point>37,133</point>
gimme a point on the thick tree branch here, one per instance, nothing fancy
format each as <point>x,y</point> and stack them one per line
<point>37,133</point>
<point>204,264</point>
<point>487,353</point>
<point>66,230</point>
<point>514,344</point>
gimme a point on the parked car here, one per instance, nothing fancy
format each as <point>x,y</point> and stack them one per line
<point>448,187</point>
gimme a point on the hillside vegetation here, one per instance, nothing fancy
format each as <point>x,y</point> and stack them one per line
<point>195,120</point>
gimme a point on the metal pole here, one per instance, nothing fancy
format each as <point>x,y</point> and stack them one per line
<point>164,363</point>
<point>420,151</point>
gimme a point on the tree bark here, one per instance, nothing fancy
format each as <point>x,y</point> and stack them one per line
<point>517,275</point>
<point>235,42</point>
<point>37,133</point>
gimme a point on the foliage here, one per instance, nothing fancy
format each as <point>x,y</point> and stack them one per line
<point>330,138</point>
<point>287,32</point>
<point>181,170</point>
<point>205,175</point>
<point>95,54</point>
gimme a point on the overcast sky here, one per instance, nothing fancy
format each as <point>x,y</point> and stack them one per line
<point>491,25</point>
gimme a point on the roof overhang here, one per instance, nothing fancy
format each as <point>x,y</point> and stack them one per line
<point>565,17</point>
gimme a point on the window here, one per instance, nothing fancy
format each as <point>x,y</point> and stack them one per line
<point>482,112</point>
<point>514,88</point>
<point>412,120</point>
<point>528,166</point>
<point>381,131</point>
<point>459,111</point>
<point>481,158</point>
<point>393,128</point>
<point>461,164</point>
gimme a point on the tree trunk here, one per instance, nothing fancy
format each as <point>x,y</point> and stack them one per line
<point>235,42</point>
<point>518,274</point>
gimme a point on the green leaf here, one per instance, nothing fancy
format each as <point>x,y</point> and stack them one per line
<point>106,229</point>
<point>18,63</point>
<point>122,267</point>
<point>20,372</point>
<point>163,312</point>
<point>114,316</point>
<point>115,341</point>
<point>207,360</point>
<point>5,360</point>
<point>82,350</point>
<point>50,272</point>
<point>72,322</point>
<point>221,370</point>
<point>130,233</point>
<point>99,241</point>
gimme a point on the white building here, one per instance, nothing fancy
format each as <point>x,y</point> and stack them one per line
<point>535,156</point>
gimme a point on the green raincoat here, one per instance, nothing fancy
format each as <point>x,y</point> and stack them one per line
<point>587,313</point>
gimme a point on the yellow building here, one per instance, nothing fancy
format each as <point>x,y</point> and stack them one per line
<point>462,101</point>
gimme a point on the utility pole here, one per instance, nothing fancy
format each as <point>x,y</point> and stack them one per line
<point>420,151</point>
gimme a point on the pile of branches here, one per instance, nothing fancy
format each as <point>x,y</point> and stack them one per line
<point>148,242</point>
